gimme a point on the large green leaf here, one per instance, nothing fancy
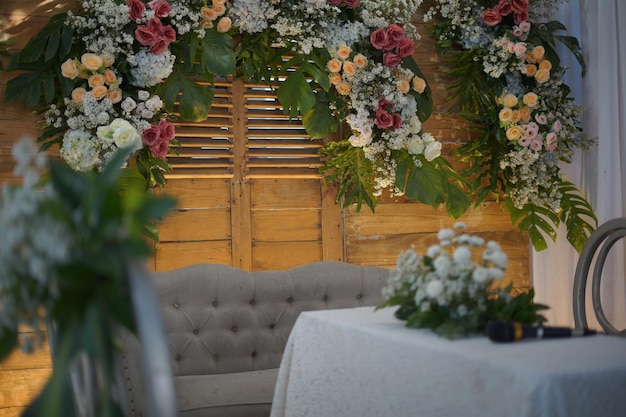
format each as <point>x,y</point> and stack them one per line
<point>577,214</point>
<point>218,56</point>
<point>319,121</point>
<point>295,93</point>
<point>195,101</point>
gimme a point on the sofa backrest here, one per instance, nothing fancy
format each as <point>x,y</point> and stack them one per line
<point>221,319</point>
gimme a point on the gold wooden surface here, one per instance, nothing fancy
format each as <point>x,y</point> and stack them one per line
<point>260,223</point>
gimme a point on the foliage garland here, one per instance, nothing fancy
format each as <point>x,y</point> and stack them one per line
<point>507,82</point>
<point>350,65</point>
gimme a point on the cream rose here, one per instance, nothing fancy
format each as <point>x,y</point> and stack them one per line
<point>224,24</point>
<point>530,99</point>
<point>419,84</point>
<point>542,75</point>
<point>343,88</point>
<point>334,65</point>
<point>505,115</point>
<point>95,80</point>
<point>514,132</point>
<point>403,85</point>
<point>415,145</point>
<point>99,92</point>
<point>360,61</point>
<point>78,94</point>
<point>348,68</point>
<point>509,100</point>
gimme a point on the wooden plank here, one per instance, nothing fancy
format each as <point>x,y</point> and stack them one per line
<point>279,193</point>
<point>18,360</point>
<point>332,225</point>
<point>178,254</point>
<point>193,193</point>
<point>196,224</point>
<point>11,411</point>
<point>284,255</point>
<point>392,219</point>
<point>286,225</point>
<point>20,387</point>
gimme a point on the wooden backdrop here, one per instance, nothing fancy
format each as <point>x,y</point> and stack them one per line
<point>249,194</point>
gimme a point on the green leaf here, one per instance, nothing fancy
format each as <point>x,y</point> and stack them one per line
<point>196,99</point>
<point>457,201</point>
<point>8,341</point>
<point>218,56</point>
<point>319,121</point>
<point>424,100</point>
<point>577,214</point>
<point>295,93</point>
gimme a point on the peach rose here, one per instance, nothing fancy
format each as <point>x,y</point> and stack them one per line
<point>334,65</point>
<point>109,76</point>
<point>514,132</point>
<point>515,116</point>
<point>107,61</point>
<point>115,95</point>
<point>343,88</point>
<point>99,92</point>
<point>215,2</point>
<point>69,69</point>
<point>219,9</point>
<point>344,52</point>
<point>335,78</point>
<point>208,13</point>
<point>538,52</point>
<point>403,85</point>
<point>95,80</point>
<point>545,64</point>
<point>531,70</point>
<point>91,61</point>
<point>419,84</point>
<point>360,60</point>
<point>542,75</point>
<point>77,94</point>
<point>348,68</point>
<point>530,99</point>
<point>524,114</point>
<point>224,25</point>
<point>509,100</point>
<point>530,56</point>
<point>505,115</point>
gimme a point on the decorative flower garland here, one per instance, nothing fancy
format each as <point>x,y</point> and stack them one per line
<point>508,84</point>
<point>125,62</point>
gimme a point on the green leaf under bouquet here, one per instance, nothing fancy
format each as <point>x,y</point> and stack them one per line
<point>451,289</point>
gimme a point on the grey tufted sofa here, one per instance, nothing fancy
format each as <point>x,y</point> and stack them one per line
<point>227,329</point>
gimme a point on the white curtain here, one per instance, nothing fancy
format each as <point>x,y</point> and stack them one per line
<point>601,172</point>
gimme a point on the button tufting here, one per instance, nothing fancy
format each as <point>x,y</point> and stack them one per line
<point>234,329</point>
<point>254,354</point>
<point>325,297</point>
<point>290,300</point>
<point>196,331</point>
<point>215,303</point>
<point>216,357</point>
<point>252,302</point>
<point>178,357</point>
<point>272,326</point>
<point>359,296</point>
<point>176,305</point>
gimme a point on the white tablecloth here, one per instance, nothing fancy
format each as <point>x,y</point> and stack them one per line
<point>357,362</point>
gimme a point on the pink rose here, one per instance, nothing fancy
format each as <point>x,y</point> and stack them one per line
<point>155,26</point>
<point>524,141</point>
<point>405,48</point>
<point>503,8</point>
<point>391,60</point>
<point>397,120</point>
<point>151,136</point>
<point>159,46</point>
<point>166,129</point>
<point>383,103</point>
<point>491,17</point>
<point>519,6</point>
<point>169,33</point>
<point>334,2</point>
<point>535,145</point>
<point>395,33</point>
<point>379,39</point>
<point>144,35</point>
<point>136,9</point>
<point>520,17</point>
<point>159,150</point>
<point>383,119</point>
<point>161,8</point>
<point>556,126</point>
<point>352,4</point>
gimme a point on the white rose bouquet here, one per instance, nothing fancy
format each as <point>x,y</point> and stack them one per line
<point>450,289</point>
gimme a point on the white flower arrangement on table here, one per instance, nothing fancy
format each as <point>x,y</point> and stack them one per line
<point>454,289</point>
<point>509,84</point>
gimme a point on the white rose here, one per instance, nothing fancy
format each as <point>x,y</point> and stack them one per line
<point>105,133</point>
<point>415,124</point>
<point>127,137</point>
<point>129,104</point>
<point>415,145</point>
<point>434,288</point>
<point>480,275</point>
<point>147,114</point>
<point>143,95</point>
<point>154,104</point>
<point>432,151</point>
<point>359,141</point>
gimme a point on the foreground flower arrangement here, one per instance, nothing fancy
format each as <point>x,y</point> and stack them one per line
<point>508,84</point>
<point>451,289</point>
<point>65,247</point>
<point>121,65</point>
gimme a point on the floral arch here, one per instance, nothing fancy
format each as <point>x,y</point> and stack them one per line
<point>108,76</point>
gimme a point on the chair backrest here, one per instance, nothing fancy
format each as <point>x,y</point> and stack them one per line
<point>599,243</point>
